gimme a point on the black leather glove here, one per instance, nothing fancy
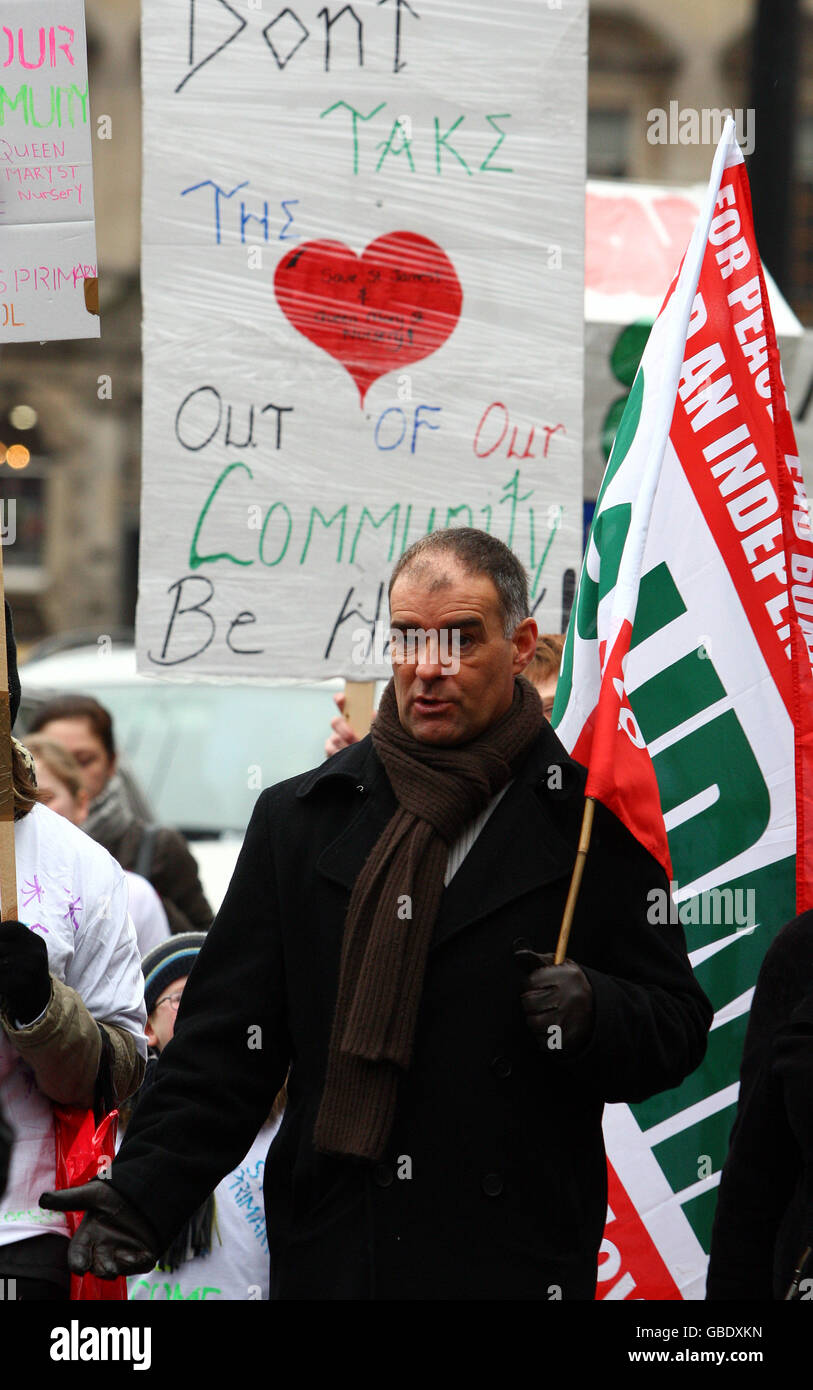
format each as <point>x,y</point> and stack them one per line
<point>25,983</point>
<point>113,1238</point>
<point>558,1002</point>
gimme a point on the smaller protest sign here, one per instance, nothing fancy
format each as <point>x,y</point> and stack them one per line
<point>47,231</point>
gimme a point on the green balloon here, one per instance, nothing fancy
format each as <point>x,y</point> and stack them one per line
<point>628,351</point>
<point>625,359</point>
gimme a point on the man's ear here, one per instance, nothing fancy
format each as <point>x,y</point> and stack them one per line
<point>150,1033</point>
<point>524,641</point>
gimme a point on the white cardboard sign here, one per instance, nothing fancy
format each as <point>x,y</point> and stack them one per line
<point>47,230</point>
<point>363,281</point>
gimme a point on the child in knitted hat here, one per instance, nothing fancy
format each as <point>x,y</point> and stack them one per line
<point>222,1251</point>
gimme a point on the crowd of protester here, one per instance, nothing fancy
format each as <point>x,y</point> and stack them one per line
<point>69,765</point>
<point>112,919</point>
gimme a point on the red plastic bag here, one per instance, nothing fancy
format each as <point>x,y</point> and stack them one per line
<point>85,1151</point>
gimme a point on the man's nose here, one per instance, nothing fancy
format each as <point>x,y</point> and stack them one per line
<point>429,667</point>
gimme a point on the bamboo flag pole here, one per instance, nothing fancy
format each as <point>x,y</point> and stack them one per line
<point>575,881</point>
<point>8,867</point>
<point>359,698</point>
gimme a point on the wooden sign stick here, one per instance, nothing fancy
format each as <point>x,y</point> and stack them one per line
<point>8,865</point>
<point>576,881</point>
<point>359,699</point>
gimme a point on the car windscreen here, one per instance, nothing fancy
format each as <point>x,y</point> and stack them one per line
<point>203,753</point>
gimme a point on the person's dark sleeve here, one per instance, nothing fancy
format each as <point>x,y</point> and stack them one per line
<point>174,876</point>
<point>763,1162</point>
<point>793,1069</point>
<point>651,1018</point>
<point>216,1080</point>
<point>63,1049</point>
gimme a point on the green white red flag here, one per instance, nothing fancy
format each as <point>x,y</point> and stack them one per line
<point>686,690</point>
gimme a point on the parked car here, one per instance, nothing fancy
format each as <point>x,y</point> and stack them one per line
<point>199,752</point>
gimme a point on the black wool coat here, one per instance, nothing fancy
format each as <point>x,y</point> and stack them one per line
<point>762,1218</point>
<point>494,1183</point>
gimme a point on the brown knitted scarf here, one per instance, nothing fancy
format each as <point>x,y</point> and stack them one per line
<point>392,913</point>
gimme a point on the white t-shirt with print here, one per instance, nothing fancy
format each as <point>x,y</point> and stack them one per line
<point>237,1267</point>
<point>74,895</point>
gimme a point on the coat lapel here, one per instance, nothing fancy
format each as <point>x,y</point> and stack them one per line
<point>371,803</point>
<point>518,850</point>
<point>344,858</point>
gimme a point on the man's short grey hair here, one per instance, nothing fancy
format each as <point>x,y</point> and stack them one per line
<point>477,553</point>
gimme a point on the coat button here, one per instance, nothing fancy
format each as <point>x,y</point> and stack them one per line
<point>492,1184</point>
<point>501,1066</point>
<point>360,787</point>
<point>383,1175</point>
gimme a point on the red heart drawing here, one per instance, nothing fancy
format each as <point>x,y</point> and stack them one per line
<point>375,313</point>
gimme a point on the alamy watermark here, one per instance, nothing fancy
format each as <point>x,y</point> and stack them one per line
<point>411,646</point>
<point>90,1343</point>
<point>688,126</point>
<point>715,907</point>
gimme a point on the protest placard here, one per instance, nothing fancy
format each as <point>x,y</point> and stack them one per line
<point>47,233</point>
<point>363,280</point>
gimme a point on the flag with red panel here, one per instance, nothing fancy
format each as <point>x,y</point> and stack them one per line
<point>686,690</point>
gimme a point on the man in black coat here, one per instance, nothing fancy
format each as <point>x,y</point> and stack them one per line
<point>386,937</point>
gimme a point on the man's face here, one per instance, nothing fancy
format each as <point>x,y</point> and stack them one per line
<point>447,704</point>
<point>80,739</point>
<point>161,1022</point>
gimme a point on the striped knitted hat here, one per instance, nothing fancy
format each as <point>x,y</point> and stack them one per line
<point>172,960</point>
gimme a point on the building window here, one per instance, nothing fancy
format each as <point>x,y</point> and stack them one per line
<point>608,143</point>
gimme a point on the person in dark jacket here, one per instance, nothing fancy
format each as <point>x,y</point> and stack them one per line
<point>158,853</point>
<point>388,934</point>
<point>764,1216</point>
